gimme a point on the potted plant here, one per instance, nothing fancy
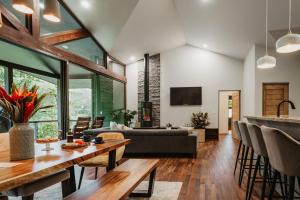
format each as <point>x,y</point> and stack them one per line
<point>19,107</point>
<point>200,121</point>
<point>129,116</point>
<point>115,117</point>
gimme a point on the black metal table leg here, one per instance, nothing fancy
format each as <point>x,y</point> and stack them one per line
<point>111,160</point>
<point>149,192</point>
<point>69,185</point>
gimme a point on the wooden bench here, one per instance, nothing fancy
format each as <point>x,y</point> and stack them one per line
<point>120,182</point>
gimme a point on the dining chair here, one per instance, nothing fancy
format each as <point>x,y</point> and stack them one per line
<point>284,156</point>
<point>98,122</point>
<point>248,147</point>
<point>241,146</point>
<point>81,125</point>
<point>260,149</point>
<point>102,160</point>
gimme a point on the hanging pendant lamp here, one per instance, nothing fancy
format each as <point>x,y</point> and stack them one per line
<point>290,42</point>
<point>266,61</point>
<point>52,11</point>
<point>23,6</point>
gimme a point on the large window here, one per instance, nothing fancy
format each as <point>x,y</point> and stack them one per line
<point>85,48</point>
<point>32,68</point>
<point>115,67</point>
<point>2,77</point>
<point>4,122</point>
<point>44,122</point>
<point>80,93</point>
<point>90,94</point>
<point>108,98</point>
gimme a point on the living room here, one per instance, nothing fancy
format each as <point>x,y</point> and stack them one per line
<point>149,99</point>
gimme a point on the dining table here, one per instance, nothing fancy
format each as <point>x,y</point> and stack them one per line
<point>17,173</point>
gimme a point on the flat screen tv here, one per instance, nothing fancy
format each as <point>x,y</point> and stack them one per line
<point>185,96</point>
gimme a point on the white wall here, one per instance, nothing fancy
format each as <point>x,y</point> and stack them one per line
<point>132,86</point>
<point>248,93</point>
<point>286,70</point>
<point>188,66</point>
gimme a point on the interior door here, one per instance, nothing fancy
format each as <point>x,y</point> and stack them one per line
<point>273,94</point>
<point>236,114</point>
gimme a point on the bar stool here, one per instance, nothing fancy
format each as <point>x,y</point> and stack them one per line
<point>259,147</point>
<point>284,156</point>
<point>248,145</point>
<point>241,146</point>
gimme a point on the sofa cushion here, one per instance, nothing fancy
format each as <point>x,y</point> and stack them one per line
<point>142,132</point>
<point>157,132</point>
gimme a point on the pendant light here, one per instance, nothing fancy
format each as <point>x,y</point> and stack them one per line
<point>290,42</point>
<point>23,6</point>
<point>266,61</point>
<point>52,11</point>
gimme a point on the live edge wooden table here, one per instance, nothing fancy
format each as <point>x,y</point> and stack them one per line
<point>18,173</point>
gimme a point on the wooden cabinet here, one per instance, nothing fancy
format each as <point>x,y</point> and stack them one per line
<point>273,94</point>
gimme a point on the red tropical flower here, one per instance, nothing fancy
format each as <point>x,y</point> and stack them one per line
<point>22,104</point>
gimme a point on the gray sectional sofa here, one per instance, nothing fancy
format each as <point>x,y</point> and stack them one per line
<point>155,141</point>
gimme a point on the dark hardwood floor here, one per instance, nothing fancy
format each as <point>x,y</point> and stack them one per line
<point>207,177</point>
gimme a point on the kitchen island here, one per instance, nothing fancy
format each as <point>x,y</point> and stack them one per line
<point>290,125</point>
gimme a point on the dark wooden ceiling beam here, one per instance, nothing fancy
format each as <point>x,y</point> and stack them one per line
<point>12,19</point>
<point>64,36</point>
<point>26,40</point>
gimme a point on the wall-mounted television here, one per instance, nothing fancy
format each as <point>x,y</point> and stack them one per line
<point>180,96</point>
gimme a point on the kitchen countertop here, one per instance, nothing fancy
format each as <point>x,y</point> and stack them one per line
<point>276,119</point>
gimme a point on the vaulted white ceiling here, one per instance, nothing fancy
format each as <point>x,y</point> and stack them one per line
<point>129,28</point>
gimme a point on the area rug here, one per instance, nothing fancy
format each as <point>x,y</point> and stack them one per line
<point>162,191</point>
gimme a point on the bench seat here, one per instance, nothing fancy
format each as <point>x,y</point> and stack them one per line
<point>120,182</point>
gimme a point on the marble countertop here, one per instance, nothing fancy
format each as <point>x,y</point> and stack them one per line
<point>276,119</point>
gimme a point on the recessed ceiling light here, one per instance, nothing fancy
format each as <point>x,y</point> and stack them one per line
<point>132,58</point>
<point>65,47</point>
<point>85,3</point>
<point>205,46</point>
<point>205,1</point>
<point>42,6</point>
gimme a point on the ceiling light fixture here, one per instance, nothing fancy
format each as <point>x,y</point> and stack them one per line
<point>42,6</point>
<point>65,47</point>
<point>85,4</point>
<point>205,46</point>
<point>266,61</point>
<point>132,58</point>
<point>52,11</point>
<point>23,6</point>
<point>290,42</point>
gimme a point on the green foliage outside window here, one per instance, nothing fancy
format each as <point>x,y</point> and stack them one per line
<point>44,128</point>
